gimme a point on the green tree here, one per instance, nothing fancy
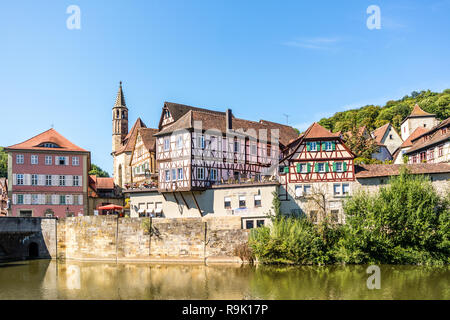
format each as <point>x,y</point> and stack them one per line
<point>405,222</point>
<point>361,146</point>
<point>99,172</point>
<point>3,163</point>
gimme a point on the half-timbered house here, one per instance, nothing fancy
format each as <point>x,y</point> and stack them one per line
<point>316,175</point>
<point>143,158</point>
<point>201,151</point>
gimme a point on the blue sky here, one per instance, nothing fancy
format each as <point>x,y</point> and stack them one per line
<point>262,59</point>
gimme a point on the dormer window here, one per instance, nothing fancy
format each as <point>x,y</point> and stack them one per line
<point>166,114</point>
<point>49,145</point>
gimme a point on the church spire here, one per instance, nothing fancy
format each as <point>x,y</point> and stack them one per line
<point>120,99</point>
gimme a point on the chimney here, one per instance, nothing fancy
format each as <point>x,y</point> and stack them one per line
<point>229,120</point>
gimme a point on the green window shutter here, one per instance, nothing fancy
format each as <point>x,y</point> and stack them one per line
<point>333,145</point>
<point>334,166</point>
<point>345,166</point>
<point>286,169</point>
<point>308,146</point>
<point>308,167</point>
<point>298,167</point>
<point>323,146</point>
<point>327,167</point>
<point>316,167</point>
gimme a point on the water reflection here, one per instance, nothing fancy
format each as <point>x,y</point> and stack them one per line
<point>43,279</point>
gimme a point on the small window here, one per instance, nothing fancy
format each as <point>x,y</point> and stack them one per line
<point>259,223</point>
<point>20,199</point>
<point>249,224</point>
<point>19,159</point>
<point>19,179</point>
<point>257,201</point>
<point>48,160</point>
<point>62,161</point>
<point>180,173</point>
<point>34,179</point>
<point>236,146</point>
<point>328,146</point>
<point>62,181</point>
<point>337,189</point>
<point>424,125</point>
<point>62,199</point>
<point>166,144</point>
<point>174,174</point>
<point>345,188</point>
<point>34,159</point>
<point>242,202</point>
<point>227,202</point>
<point>314,146</point>
<point>313,216</point>
<point>179,142</point>
<point>334,215</point>
<point>201,142</point>
<point>167,175</point>
<point>338,166</point>
<point>213,175</point>
<point>321,167</point>
<point>253,149</point>
<point>75,161</point>
<point>48,199</point>
<point>390,137</point>
<point>307,189</point>
<point>76,181</point>
<point>48,180</point>
<point>200,173</point>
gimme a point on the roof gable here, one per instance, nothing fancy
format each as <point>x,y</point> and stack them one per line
<point>130,139</point>
<point>49,136</point>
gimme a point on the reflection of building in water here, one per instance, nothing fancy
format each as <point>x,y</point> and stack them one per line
<point>73,277</point>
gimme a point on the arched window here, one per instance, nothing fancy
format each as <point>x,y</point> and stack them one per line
<point>124,115</point>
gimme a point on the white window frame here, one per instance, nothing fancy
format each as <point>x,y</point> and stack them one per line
<point>75,161</point>
<point>315,144</point>
<point>48,160</point>
<point>201,142</point>
<point>340,169</point>
<point>34,159</point>
<point>337,187</point>
<point>76,181</point>
<point>48,180</point>
<point>167,174</point>
<point>62,181</point>
<point>174,174</point>
<point>34,179</point>
<point>20,159</point>
<point>328,146</point>
<point>20,196</point>
<point>20,179</point>
<point>166,144</point>
<point>253,149</point>
<point>257,198</point>
<point>236,146</point>
<point>225,201</point>
<point>242,198</point>
<point>307,189</point>
<point>180,173</point>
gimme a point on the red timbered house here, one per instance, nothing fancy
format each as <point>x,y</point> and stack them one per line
<point>318,169</point>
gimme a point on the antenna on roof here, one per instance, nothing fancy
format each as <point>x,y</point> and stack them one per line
<point>287,118</point>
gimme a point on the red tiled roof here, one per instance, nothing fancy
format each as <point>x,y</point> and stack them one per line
<point>385,170</point>
<point>316,131</point>
<point>379,133</point>
<point>100,183</point>
<point>51,136</point>
<point>417,111</point>
<point>416,133</point>
<point>130,139</point>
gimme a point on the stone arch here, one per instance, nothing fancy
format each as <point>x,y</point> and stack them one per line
<point>33,250</point>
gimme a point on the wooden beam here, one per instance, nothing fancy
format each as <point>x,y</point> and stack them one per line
<point>176,199</point>
<point>184,200</point>
<point>196,203</point>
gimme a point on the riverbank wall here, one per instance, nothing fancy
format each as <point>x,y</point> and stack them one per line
<point>109,238</point>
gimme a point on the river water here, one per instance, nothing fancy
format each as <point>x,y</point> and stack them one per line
<point>49,279</point>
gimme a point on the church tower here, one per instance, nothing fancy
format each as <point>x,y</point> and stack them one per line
<point>119,120</point>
